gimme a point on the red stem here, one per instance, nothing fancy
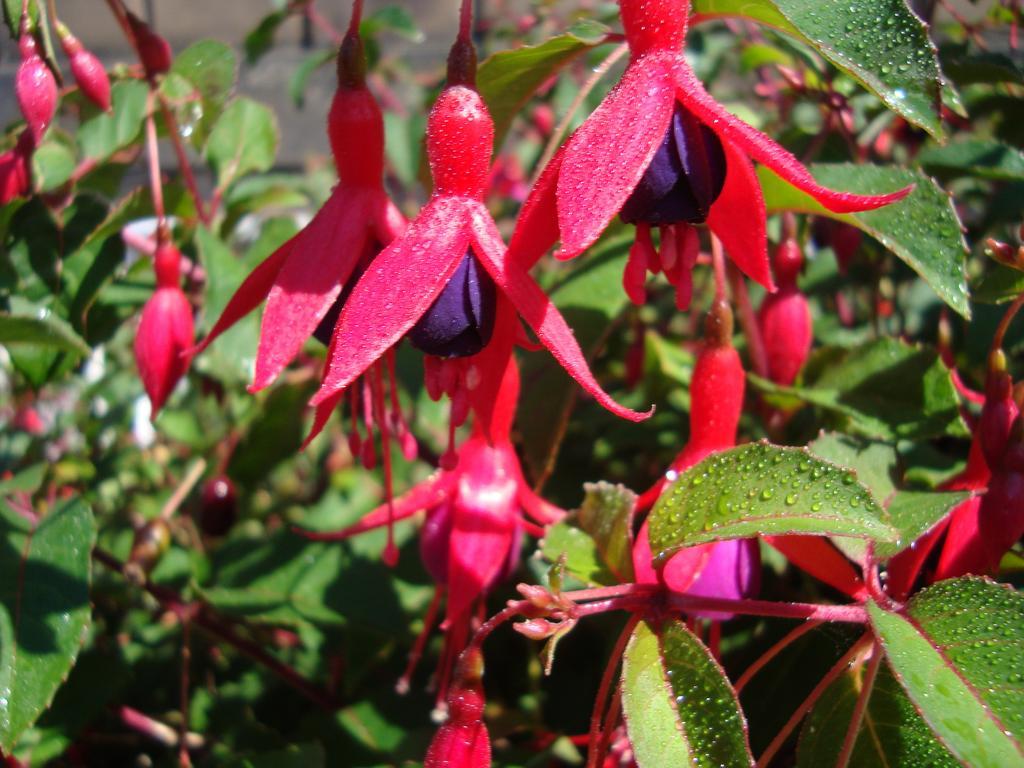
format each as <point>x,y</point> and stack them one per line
<point>1004,324</point>
<point>748,321</point>
<point>155,183</point>
<point>466,20</point>
<point>849,614</point>
<point>791,637</point>
<point>868,684</point>
<point>830,677</point>
<point>320,21</point>
<point>184,166</point>
<point>594,753</point>
<point>357,17</point>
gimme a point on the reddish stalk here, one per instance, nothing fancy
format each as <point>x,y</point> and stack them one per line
<point>320,21</point>
<point>184,166</point>
<point>748,321</point>
<point>402,686</point>
<point>718,262</point>
<point>868,684</point>
<point>158,731</point>
<point>830,677</point>
<point>790,637</point>
<point>1004,324</point>
<point>356,18</point>
<point>847,614</point>
<point>153,151</point>
<point>594,753</point>
<point>466,20</point>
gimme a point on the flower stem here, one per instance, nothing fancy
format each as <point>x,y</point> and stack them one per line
<point>594,753</point>
<point>153,151</point>
<point>748,321</point>
<point>790,637</point>
<point>851,614</point>
<point>867,685</point>
<point>466,20</point>
<point>183,490</point>
<point>830,677</point>
<point>357,17</point>
<point>1004,324</point>
<point>184,166</point>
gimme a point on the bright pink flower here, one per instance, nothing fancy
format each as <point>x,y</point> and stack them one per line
<point>16,169</point>
<point>404,285</point>
<point>306,279</point>
<point>784,318</point>
<point>661,151</point>
<point>165,332</point>
<point>463,741</point>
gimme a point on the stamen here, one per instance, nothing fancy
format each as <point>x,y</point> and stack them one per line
<point>355,440</point>
<point>404,682</point>
<point>369,455</point>
<point>668,252</point>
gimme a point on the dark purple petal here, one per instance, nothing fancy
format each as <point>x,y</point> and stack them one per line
<point>461,320</point>
<point>684,178</point>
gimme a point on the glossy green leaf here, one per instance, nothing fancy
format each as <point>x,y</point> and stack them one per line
<point>679,707</point>
<point>53,162</point>
<point>874,462</point>
<point>244,139</point>
<point>886,389</point>
<point>102,135</point>
<point>261,38</point>
<point>922,229</point>
<point>762,488</point>
<point>957,653</point>
<point>210,67</point>
<point>999,285</point>
<point>583,560</point>
<point>973,157</point>
<point>589,299</point>
<point>880,43</point>
<point>891,732</point>
<point>44,608</point>
<point>507,79</point>
<point>42,329</point>
<point>914,513</point>
<point>606,514</point>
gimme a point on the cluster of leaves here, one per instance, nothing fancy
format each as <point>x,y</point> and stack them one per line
<point>292,647</point>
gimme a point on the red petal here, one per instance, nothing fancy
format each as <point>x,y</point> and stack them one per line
<point>904,568</point>
<point>321,415</point>
<point>396,290</point>
<point>165,333</point>
<point>388,221</point>
<point>606,157</point>
<point>816,556</point>
<point>323,257</point>
<point>425,495</point>
<point>538,311</point>
<point>738,218</point>
<point>766,151</point>
<point>537,226</point>
<point>964,551</point>
<point>250,293</point>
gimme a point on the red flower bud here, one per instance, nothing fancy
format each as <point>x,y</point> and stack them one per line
<point>998,412</point>
<point>35,87</point>
<point>460,138</point>
<point>16,169</point>
<point>219,508</point>
<point>87,70</point>
<point>655,24</point>
<point>463,742</point>
<point>785,318</point>
<point>154,50</point>
<point>165,331</point>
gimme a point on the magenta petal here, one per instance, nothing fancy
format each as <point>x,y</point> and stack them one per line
<point>606,157</point>
<point>396,290</point>
<point>767,152</point>
<point>733,572</point>
<point>537,225</point>
<point>738,218</point>
<point>323,257</point>
<point>538,311</point>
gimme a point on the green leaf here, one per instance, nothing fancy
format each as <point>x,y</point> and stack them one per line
<point>957,653</point>
<point>874,462</point>
<point>53,162</point>
<point>210,67</point>
<point>762,488</point>
<point>999,285</point>
<point>891,732</point>
<point>507,79</point>
<point>244,139</point>
<point>101,136</point>
<point>606,514</point>
<point>26,481</point>
<point>309,755</point>
<point>391,18</point>
<point>300,77</point>
<point>678,704</point>
<point>913,513</point>
<point>582,558</point>
<point>44,608</point>
<point>886,388</point>
<point>42,328</point>
<point>973,157</point>
<point>880,43</point>
<point>261,39</point>
<point>589,299</point>
<point>922,229</point>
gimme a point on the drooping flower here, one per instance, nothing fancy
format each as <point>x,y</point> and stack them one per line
<point>16,169</point>
<point>784,318</point>
<point>34,85</point>
<point>165,331</point>
<point>87,69</point>
<point>661,152</point>
<point>462,741</point>
<point>434,281</point>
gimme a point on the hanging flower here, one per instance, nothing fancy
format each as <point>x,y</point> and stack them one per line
<point>16,169</point>
<point>661,152</point>
<point>436,281</point>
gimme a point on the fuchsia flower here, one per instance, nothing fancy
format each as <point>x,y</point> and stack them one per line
<point>305,280</point>
<point>660,151</point>
<point>424,283</point>
<point>34,85</point>
<point>88,70</point>
<point>463,741</point>
<point>165,330</point>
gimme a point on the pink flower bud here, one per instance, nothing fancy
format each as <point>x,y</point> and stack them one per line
<point>785,319</point>
<point>998,412</point>
<point>35,87</point>
<point>463,742</point>
<point>87,70</point>
<point>15,169</point>
<point>154,50</point>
